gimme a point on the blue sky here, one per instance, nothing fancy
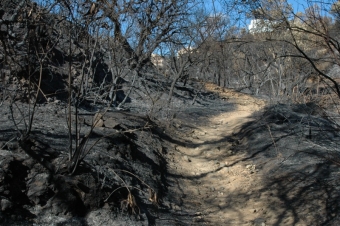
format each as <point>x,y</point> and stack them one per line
<point>297,5</point>
<point>213,6</point>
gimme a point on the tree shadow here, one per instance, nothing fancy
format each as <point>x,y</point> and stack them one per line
<point>294,150</point>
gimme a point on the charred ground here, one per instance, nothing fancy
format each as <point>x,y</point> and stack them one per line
<point>210,156</point>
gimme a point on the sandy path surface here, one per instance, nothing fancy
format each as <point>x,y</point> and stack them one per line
<point>214,184</point>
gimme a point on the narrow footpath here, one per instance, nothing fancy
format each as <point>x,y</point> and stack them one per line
<point>214,185</point>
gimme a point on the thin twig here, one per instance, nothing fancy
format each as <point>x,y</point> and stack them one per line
<point>271,136</point>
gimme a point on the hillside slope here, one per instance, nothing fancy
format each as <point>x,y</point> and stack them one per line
<point>229,160</point>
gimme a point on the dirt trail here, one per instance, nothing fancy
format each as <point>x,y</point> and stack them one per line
<point>215,185</point>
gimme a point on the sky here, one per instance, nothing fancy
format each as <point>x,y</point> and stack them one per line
<point>298,6</point>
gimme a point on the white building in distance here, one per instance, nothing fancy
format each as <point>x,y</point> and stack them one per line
<point>185,51</point>
<point>260,25</point>
<point>157,60</point>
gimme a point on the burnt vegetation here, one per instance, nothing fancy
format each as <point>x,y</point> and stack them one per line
<point>88,90</point>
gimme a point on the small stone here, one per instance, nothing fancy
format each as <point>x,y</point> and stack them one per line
<point>5,204</point>
<point>177,125</point>
<point>198,219</point>
<point>111,123</point>
<point>177,208</point>
<point>251,168</point>
<point>186,158</point>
